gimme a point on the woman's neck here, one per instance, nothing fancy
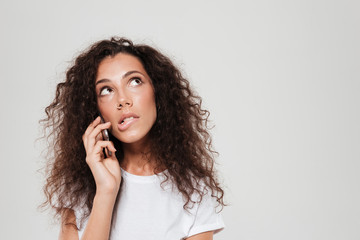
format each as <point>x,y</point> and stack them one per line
<point>137,159</point>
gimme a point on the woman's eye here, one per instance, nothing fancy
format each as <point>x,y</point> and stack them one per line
<point>135,81</point>
<point>105,91</point>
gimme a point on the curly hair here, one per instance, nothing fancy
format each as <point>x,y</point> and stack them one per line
<point>180,139</point>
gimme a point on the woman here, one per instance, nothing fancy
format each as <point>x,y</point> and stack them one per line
<point>154,177</point>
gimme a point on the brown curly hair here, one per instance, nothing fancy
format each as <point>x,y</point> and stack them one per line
<point>179,138</point>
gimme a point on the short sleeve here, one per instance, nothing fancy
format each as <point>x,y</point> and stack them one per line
<point>208,217</point>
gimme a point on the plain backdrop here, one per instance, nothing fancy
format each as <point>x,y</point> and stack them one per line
<point>280,78</point>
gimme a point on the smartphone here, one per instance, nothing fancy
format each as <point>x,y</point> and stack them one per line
<point>105,135</point>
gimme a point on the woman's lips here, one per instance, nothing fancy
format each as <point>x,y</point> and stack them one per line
<point>127,123</point>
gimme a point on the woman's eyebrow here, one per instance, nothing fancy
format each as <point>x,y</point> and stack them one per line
<point>124,76</point>
<point>102,81</point>
<point>129,73</point>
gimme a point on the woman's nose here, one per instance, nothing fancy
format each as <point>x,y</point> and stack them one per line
<point>123,101</point>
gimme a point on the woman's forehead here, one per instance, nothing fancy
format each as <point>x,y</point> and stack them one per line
<point>121,62</point>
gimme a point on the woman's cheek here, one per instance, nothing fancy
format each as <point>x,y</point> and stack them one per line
<point>106,106</point>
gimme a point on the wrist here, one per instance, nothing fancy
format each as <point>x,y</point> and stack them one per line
<point>108,189</point>
<point>105,196</point>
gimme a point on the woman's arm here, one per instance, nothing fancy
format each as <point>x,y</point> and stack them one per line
<point>202,236</point>
<point>98,225</point>
<point>107,175</point>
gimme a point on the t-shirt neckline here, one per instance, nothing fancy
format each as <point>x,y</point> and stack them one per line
<point>142,179</point>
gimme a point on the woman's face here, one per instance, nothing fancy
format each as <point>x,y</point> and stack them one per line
<point>125,97</point>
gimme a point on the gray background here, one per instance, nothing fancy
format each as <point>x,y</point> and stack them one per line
<point>281,79</point>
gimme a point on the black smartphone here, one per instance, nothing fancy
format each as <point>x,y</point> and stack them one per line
<point>105,135</point>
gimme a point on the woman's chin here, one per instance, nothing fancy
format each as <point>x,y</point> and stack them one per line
<point>133,138</point>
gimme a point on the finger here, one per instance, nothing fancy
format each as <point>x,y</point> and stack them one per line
<point>90,128</point>
<point>110,153</point>
<point>98,129</point>
<point>98,152</point>
<point>100,145</point>
<point>99,137</point>
<point>92,137</point>
<point>92,125</point>
<point>110,148</point>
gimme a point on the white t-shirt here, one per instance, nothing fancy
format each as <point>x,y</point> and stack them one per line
<point>145,211</point>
